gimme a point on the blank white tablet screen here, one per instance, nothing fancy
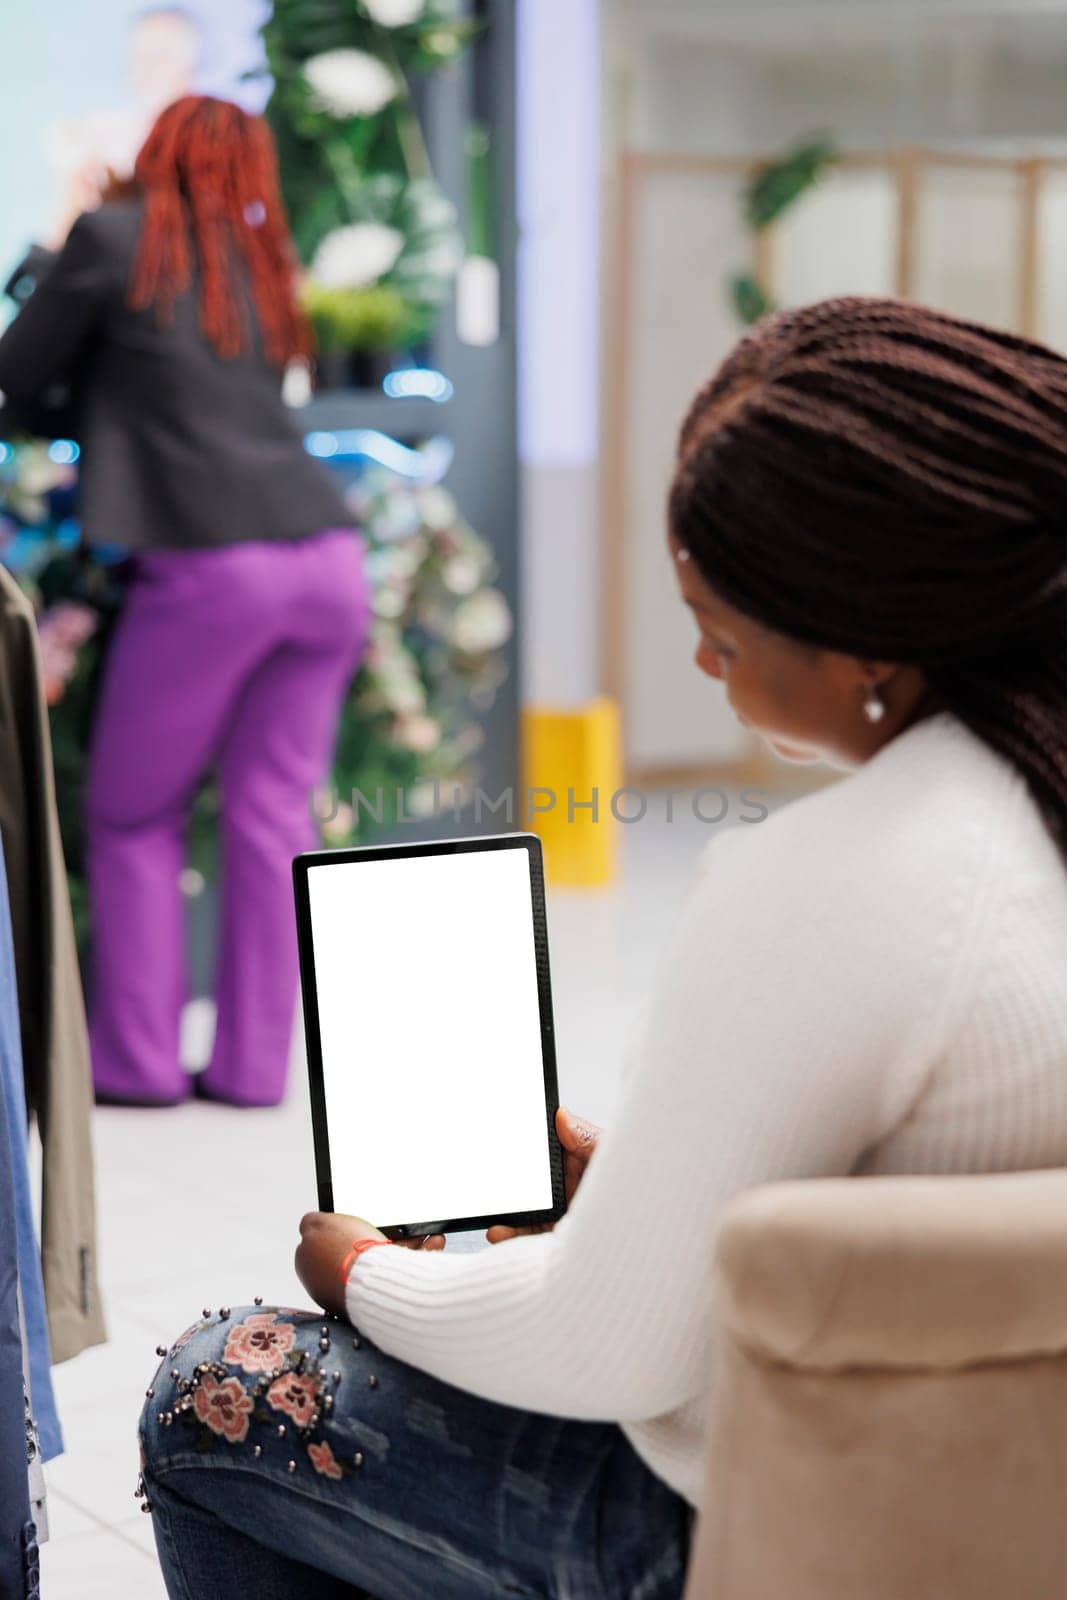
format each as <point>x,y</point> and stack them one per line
<point>431,1038</point>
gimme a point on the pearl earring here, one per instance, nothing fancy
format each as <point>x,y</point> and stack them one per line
<point>873,704</point>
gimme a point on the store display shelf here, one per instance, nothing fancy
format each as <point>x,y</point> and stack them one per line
<point>403,418</point>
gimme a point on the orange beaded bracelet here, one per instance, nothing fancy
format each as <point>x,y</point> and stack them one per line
<point>357,1250</point>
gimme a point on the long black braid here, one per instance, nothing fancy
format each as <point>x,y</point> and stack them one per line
<point>885,480</point>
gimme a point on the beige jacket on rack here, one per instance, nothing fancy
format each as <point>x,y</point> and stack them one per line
<point>55,1045</point>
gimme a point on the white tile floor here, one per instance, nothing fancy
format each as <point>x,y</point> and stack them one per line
<point>199,1205</point>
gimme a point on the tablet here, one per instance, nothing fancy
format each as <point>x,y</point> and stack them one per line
<point>428,1019</point>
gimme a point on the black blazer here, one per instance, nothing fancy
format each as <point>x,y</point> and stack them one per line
<point>179,448</point>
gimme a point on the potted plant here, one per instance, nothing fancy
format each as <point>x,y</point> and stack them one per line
<point>379,241</point>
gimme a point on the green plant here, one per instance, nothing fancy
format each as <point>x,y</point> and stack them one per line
<point>365,210</point>
<point>434,661</point>
<point>770,192</point>
<point>750,300</point>
<point>378,318</point>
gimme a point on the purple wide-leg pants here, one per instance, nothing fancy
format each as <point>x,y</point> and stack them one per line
<point>233,658</point>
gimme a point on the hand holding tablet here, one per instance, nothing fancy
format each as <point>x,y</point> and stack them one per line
<point>579,1139</point>
<point>431,1052</point>
<point>327,1238</point>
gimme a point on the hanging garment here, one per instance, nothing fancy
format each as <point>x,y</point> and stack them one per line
<point>31,1287</point>
<point>19,1578</point>
<point>55,1048</point>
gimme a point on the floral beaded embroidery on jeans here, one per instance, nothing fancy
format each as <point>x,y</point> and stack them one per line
<point>290,1392</point>
<point>256,1343</point>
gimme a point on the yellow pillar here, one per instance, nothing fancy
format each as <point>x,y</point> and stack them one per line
<point>573,755</point>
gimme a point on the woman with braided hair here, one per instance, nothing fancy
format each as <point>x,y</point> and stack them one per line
<point>867,522</point>
<point>868,479</point>
<point>168,319</point>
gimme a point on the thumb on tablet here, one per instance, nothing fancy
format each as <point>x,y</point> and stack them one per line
<point>579,1139</point>
<point>576,1135</point>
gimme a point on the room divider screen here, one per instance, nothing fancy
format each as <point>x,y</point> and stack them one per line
<point>975,233</point>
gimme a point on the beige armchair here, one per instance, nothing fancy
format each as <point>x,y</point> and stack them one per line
<point>888,1417</point>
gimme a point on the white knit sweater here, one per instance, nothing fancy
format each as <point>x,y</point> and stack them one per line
<point>874,979</point>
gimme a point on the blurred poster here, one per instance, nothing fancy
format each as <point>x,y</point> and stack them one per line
<point>82,84</point>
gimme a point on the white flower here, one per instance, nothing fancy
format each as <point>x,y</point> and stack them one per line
<point>394,13</point>
<point>419,733</point>
<point>407,699</point>
<point>349,83</point>
<point>442,44</point>
<point>461,575</point>
<point>386,649</point>
<point>38,474</point>
<point>435,209</point>
<point>402,688</point>
<point>482,622</point>
<point>389,602</point>
<point>440,260</point>
<point>422,799</point>
<point>403,560</point>
<point>438,509</point>
<point>338,826</point>
<point>400,520</point>
<point>352,257</point>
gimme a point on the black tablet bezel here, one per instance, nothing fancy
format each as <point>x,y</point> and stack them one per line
<point>531,844</point>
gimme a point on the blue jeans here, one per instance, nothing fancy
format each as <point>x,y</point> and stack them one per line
<point>300,1460</point>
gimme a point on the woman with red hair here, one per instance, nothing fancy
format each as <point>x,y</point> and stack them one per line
<point>169,318</point>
